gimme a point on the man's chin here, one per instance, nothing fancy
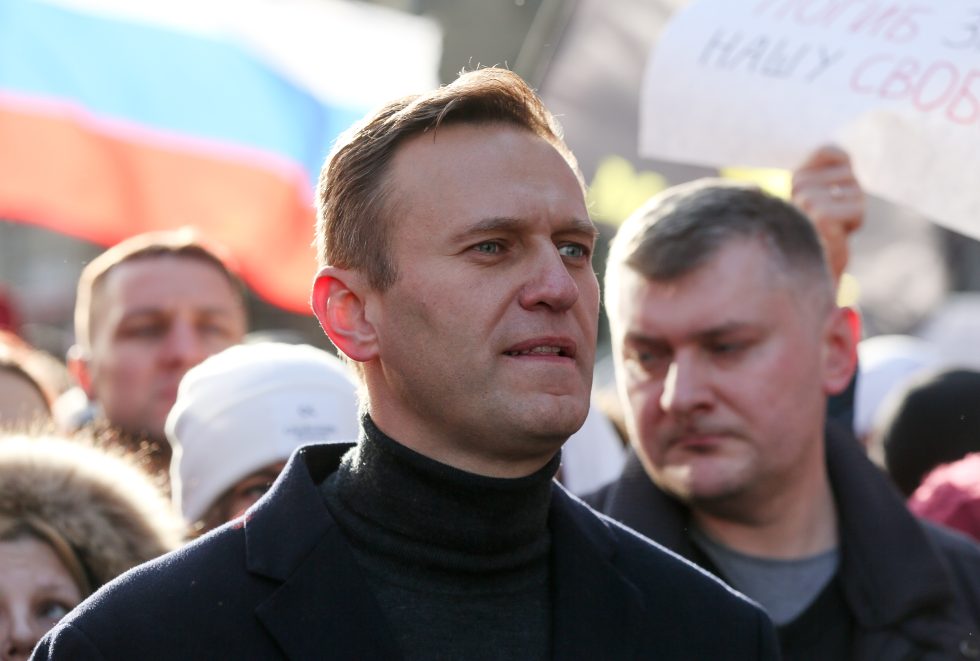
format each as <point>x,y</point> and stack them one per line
<point>560,420</point>
<point>696,484</point>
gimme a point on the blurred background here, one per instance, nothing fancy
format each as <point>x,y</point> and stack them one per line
<point>119,117</point>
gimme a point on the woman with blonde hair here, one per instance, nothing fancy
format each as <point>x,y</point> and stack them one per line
<point>72,518</point>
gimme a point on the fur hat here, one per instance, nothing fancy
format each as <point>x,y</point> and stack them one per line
<point>107,511</point>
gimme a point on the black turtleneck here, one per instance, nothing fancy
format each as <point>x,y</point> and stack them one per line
<point>458,562</point>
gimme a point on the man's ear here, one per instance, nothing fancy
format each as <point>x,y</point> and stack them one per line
<point>841,335</point>
<point>78,367</point>
<point>338,301</point>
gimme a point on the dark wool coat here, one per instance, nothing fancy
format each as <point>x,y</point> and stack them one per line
<point>282,583</point>
<point>913,588</point>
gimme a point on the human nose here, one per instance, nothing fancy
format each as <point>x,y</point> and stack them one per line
<point>183,344</point>
<point>685,389</point>
<point>550,284</point>
<point>21,637</point>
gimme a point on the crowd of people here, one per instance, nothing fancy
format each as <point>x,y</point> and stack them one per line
<point>176,490</point>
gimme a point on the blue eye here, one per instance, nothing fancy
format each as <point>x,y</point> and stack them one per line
<point>488,247</point>
<point>573,250</point>
<point>53,610</point>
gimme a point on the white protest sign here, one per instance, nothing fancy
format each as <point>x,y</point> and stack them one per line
<point>762,82</point>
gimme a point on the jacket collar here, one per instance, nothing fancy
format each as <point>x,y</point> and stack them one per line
<point>324,606</point>
<point>890,569</point>
<point>637,502</point>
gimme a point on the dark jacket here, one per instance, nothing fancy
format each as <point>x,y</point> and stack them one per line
<point>913,588</point>
<point>282,583</point>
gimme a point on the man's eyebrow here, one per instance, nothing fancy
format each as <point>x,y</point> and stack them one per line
<point>143,312</point>
<point>508,224</point>
<point>582,225</point>
<point>645,340</point>
<point>725,329</point>
<point>706,335</point>
<point>146,311</point>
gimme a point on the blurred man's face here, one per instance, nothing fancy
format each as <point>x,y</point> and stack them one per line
<point>487,337</point>
<point>724,374</point>
<point>155,318</point>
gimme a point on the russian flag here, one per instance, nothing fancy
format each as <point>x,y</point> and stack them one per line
<point>122,116</point>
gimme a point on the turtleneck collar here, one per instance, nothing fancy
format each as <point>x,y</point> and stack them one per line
<point>412,510</point>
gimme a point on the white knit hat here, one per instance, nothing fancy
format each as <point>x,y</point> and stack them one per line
<point>250,406</point>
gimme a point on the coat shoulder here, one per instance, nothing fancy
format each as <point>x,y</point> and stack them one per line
<point>202,591</point>
<point>961,555</point>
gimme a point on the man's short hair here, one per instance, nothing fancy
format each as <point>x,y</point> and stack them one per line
<point>679,230</point>
<point>185,243</point>
<point>353,198</point>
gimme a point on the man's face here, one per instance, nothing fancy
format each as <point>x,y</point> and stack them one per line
<point>724,374</point>
<point>487,338</point>
<point>155,318</point>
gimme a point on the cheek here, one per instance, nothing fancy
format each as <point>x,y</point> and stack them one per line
<point>644,403</point>
<point>123,355</point>
<point>128,366</point>
<point>214,343</point>
<point>588,287</point>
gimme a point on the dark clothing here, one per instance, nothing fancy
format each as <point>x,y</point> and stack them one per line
<point>824,630</point>
<point>912,590</point>
<point>482,558</point>
<point>840,407</point>
<point>283,583</point>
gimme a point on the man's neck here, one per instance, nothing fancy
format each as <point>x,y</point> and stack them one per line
<point>463,450</point>
<point>798,523</point>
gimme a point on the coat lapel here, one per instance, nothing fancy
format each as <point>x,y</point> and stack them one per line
<point>597,612</point>
<point>324,607</point>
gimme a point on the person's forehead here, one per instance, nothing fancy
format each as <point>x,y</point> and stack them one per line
<point>166,281</point>
<point>482,169</point>
<point>736,286</point>
<point>34,557</point>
